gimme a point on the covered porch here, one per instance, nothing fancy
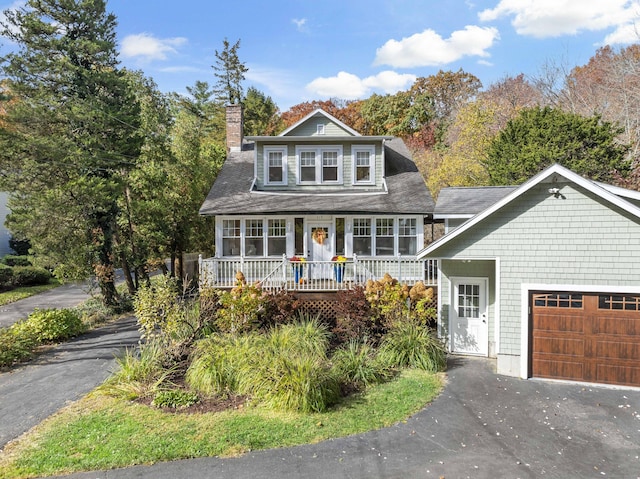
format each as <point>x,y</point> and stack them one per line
<point>313,276</point>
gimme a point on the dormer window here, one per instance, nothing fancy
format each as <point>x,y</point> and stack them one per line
<point>363,164</point>
<point>275,165</point>
<point>319,165</point>
<point>320,129</point>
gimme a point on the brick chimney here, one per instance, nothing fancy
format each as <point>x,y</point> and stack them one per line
<point>234,127</point>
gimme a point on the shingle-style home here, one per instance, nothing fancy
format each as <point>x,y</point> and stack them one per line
<point>316,191</point>
<point>546,279</point>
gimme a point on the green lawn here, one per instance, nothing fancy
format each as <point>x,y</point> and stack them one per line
<point>26,291</point>
<point>99,432</point>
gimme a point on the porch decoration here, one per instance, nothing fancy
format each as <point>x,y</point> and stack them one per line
<point>338,267</point>
<point>319,235</point>
<point>297,264</point>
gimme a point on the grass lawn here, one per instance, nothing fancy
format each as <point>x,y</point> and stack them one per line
<point>26,291</point>
<point>100,432</point>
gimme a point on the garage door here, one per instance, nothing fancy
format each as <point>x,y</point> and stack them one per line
<point>586,337</point>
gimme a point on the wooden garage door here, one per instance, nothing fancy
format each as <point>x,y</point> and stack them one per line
<point>586,337</point>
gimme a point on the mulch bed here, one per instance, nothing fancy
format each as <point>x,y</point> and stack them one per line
<point>216,404</point>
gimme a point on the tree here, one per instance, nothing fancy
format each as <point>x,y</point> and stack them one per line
<point>229,71</point>
<point>69,134</point>
<point>539,137</point>
<point>260,114</point>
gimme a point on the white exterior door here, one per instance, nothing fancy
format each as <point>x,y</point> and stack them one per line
<point>469,317</point>
<point>320,249</point>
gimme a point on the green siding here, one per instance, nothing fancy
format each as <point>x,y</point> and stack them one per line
<point>575,240</point>
<point>310,128</point>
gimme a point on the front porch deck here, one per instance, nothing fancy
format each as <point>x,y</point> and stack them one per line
<point>276,274</point>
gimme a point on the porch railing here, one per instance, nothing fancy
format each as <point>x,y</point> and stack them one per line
<point>281,273</point>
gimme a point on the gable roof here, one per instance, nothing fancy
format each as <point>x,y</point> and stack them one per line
<point>464,202</point>
<point>233,191</point>
<point>605,192</point>
<point>319,111</point>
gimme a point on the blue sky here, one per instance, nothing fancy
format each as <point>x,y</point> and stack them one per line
<point>304,50</point>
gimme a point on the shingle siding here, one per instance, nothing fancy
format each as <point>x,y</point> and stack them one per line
<point>573,239</point>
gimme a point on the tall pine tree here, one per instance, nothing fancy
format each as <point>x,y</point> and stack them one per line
<point>70,133</point>
<point>229,71</point>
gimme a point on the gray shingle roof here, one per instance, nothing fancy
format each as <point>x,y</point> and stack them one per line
<point>469,200</point>
<point>407,192</point>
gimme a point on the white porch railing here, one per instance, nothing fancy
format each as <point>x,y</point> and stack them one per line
<point>282,273</point>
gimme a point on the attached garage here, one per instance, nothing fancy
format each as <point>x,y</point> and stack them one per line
<point>586,337</point>
<point>559,257</point>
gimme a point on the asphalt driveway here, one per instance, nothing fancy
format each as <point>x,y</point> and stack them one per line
<point>482,426</point>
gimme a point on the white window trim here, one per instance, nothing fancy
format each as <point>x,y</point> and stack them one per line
<point>318,164</point>
<point>372,164</point>
<point>265,156</point>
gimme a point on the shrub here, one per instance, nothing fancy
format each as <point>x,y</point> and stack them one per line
<point>156,307</point>
<point>411,345</point>
<point>285,369</point>
<point>217,360</point>
<point>140,373</point>
<point>282,307</point>
<point>354,318</point>
<point>16,260</point>
<point>209,304</point>
<point>243,309</point>
<point>174,399</point>
<point>389,300</point>
<point>30,276</point>
<point>15,344</point>
<point>54,324</point>
<point>6,275</point>
<point>356,365</point>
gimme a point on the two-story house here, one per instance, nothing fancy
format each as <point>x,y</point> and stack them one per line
<point>316,191</point>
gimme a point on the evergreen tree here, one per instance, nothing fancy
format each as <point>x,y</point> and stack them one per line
<point>229,71</point>
<point>69,133</point>
<point>539,137</point>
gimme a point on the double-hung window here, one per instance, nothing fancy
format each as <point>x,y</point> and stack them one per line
<point>275,164</point>
<point>363,160</point>
<point>231,237</point>
<point>319,164</point>
<point>277,237</point>
<point>362,236</point>
<point>253,238</point>
<point>307,166</point>
<point>407,236</point>
<point>384,237</point>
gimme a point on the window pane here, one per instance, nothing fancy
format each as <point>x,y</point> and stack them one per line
<point>299,233</point>
<point>407,245</point>
<point>277,238</point>
<point>339,236</point>
<point>275,166</point>
<point>330,166</point>
<point>362,236</point>
<point>308,165</point>
<point>384,237</point>
<point>363,166</point>
<point>253,238</point>
<point>230,246</point>
<point>230,237</point>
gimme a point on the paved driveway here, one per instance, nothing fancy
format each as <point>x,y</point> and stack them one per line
<point>482,426</point>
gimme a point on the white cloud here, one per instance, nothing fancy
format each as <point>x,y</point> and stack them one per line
<point>147,47</point>
<point>553,18</point>
<point>348,86</point>
<point>300,23</point>
<point>623,35</point>
<point>430,49</point>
